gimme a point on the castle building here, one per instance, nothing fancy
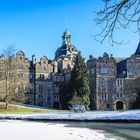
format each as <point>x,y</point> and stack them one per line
<point>41,80</point>
<point>111,80</point>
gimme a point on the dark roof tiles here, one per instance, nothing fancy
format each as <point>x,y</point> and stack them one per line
<point>138,50</point>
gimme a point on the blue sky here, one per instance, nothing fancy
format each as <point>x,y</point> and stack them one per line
<point>36,27</point>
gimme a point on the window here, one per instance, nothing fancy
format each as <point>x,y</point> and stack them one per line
<point>30,90</point>
<point>108,106</point>
<point>104,96</point>
<point>49,103</point>
<point>92,71</point>
<point>58,78</point>
<point>124,72</point>
<point>40,96</point>
<point>30,76</point>
<point>104,70</point>
<point>41,75</point>
<point>49,98</point>
<point>54,85</point>
<point>20,75</point>
<point>40,88</point>
<point>20,66</point>
<point>56,97</point>
<point>54,78</point>
<point>133,72</point>
<point>120,95</point>
<point>90,63</point>
<point>11,74</point>
<point>119,82</point>
<point>62,79</point>
<point>68,66</point>
<point>133,96</point>
<point>103,82</point>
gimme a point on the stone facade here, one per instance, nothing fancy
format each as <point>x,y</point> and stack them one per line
<point>111,79</point>
<point>42,79</point>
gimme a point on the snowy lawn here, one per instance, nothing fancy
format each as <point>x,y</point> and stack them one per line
<point>22,130</point>
<point>23,109</point>
<point>91,115</point>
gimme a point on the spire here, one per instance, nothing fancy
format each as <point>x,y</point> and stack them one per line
<point>66,23</point>
<point>66,38</point>
<point>138,50</point>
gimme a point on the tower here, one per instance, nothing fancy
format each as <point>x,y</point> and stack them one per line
<point>66,38</point>
<point>66,48</point>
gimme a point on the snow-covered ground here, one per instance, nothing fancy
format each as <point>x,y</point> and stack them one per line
<point>91,115</point>
<point>22,130</point>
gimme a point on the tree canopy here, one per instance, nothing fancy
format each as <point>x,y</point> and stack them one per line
<point>77,90</point>
<point>117,14</point>
<point>136,104</point>
<point>11,88</point>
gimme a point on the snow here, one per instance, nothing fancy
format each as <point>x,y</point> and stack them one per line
<point>15,130</point>
<point>91,115</point>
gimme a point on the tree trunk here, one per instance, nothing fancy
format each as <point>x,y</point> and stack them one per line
<point>6,104</point>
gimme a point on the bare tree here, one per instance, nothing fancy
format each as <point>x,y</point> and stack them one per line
<point>6,69</point>
<point>117,14</point>
<point>10,83</point>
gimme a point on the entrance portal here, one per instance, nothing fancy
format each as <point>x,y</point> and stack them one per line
<point>56,105</point>
<point>119,105</point>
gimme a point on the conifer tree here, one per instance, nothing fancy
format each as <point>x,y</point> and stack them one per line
<point>65,95</point>
<point>77,90</point>
<point>136,104</point>
<point>79,83</point>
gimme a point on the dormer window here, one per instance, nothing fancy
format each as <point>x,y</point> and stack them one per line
<point>104,70</point>
<point>133,72</point>
<point>138,58</point>
<point>20,58</point>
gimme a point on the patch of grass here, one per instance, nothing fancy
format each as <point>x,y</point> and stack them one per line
<point>13,109</point>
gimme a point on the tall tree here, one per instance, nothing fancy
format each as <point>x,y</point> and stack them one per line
<point>117,14</point>
<point>79,82</point>
<point>77,90</point>
<point>136,103</point>
<point>9,82</point>
<point>6,69</point>
<point>65,95</point>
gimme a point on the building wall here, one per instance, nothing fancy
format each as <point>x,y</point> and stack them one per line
<point>111,81</point>
<point>110,78</point>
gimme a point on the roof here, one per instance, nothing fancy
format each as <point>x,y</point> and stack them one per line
<point>138,50</point>
<point>65,50</point>
<point>20,53</point>
<point>44,57</point>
